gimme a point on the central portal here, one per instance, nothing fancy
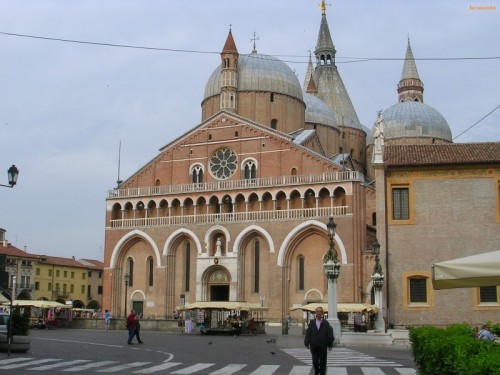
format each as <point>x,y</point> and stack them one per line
<point>219,292</point>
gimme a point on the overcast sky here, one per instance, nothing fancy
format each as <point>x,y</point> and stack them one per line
<point>64,107</point>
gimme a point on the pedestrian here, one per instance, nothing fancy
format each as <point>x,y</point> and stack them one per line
<point>107,319</point>
<point>485,334</point>
<point>319,338</point>
<point>138,328</point>
<point>131,326</point>
<point>251,327</point>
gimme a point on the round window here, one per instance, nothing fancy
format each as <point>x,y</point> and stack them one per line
<point>223,163</point>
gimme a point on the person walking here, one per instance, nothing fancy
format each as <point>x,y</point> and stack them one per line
<point>485,334</point>
<point>138,328</point>
<point>319,338</point>
<point>107,320</point>
<point>131,326</point>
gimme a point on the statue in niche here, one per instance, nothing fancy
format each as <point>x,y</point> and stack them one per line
<point>218,247</point>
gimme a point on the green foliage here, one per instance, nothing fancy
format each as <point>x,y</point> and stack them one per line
<point>453,351</point>
<point>20,321</point>
<point>495,328</point>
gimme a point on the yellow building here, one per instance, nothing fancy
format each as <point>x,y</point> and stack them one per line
<point>67,279</point>
<point>41,277</point>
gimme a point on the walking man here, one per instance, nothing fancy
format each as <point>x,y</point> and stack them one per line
<point>131,326</point>
<point>319,338</point>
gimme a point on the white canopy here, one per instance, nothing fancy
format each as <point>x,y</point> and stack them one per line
<point>37,303</point>
<point>223,305</point>
<point>472,271</point>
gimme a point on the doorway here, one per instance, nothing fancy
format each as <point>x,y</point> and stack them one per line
<point>219,292</point>
<point>138,307</point>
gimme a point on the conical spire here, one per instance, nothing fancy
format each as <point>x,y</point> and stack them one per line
<point>331,89</point>
<point>230,45</point>
<point>309,72</point>
<point>409,67</point>
<point>325,50</point>
<point>410,87</point>
<point>311,86</point>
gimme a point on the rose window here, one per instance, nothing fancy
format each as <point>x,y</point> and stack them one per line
<point>223,163</point>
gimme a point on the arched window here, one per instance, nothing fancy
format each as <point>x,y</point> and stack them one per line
<point>130,271</point>
<point>150,271</point>
<point>274,123</point>
<point>256,266</point>
<point>197,173</point>
<point>188,266</point>
<point>301,273</point>
<point>250,170</point>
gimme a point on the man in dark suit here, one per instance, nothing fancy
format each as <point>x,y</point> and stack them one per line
<point>319,338</point>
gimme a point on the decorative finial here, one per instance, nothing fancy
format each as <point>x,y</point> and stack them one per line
<point>230,26</point>
<point>255,37</point>
<point>322,7</point>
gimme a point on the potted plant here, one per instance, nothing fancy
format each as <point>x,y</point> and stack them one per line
<point>18,329</point>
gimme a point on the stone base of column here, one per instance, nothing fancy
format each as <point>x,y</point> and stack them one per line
<point>335,323</point>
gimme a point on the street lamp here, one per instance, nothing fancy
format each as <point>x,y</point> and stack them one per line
<point>331,266</point>
<point>378,283</point>
<point>126,278</point>
<point>10,332</point>
<point>13,173</point>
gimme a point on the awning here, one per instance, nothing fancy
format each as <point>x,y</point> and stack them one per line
<point>223,305</point>
<point>37,303</point>
<point>341,307</point>
<point>468,272</point>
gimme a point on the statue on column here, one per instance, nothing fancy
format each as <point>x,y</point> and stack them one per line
<point>378,138</point>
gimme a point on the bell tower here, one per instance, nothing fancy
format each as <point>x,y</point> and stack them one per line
<point>229,75</point>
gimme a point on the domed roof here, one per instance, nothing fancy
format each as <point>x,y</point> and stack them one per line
<point>257,72</point>
<point>414,119</point>
<point>317,112</point>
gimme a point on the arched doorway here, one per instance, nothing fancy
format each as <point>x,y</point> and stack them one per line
<point>218,284</point>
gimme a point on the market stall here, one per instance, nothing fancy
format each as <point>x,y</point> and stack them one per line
<point>222,317</point>
<point>356,317</point>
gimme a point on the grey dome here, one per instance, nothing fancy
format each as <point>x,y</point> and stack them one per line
<point>317,112</point>
<point>257,72</point>
<point>414,119</point>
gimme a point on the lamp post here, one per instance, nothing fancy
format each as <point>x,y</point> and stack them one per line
<point>331,266</point>
<point>13,173</point>
<point>126,278</point>
<point>378,283</point>
<point>10,332</point>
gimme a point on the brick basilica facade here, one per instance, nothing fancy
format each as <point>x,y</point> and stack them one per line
<point>236,208</point>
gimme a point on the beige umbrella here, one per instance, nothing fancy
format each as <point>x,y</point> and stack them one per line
<point>468,272</point>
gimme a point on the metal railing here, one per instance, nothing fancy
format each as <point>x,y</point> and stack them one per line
<point>238,184</point>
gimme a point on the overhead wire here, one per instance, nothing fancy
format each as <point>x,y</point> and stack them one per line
<point>350,58</point>
<point>477,122</point>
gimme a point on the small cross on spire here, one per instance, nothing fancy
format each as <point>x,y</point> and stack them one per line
<point>255,37</point>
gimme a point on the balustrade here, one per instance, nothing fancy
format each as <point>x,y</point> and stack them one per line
<point>237,184</point>
<point>247,216</point>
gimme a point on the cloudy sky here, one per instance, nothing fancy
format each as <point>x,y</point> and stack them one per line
<point>65,106</point>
